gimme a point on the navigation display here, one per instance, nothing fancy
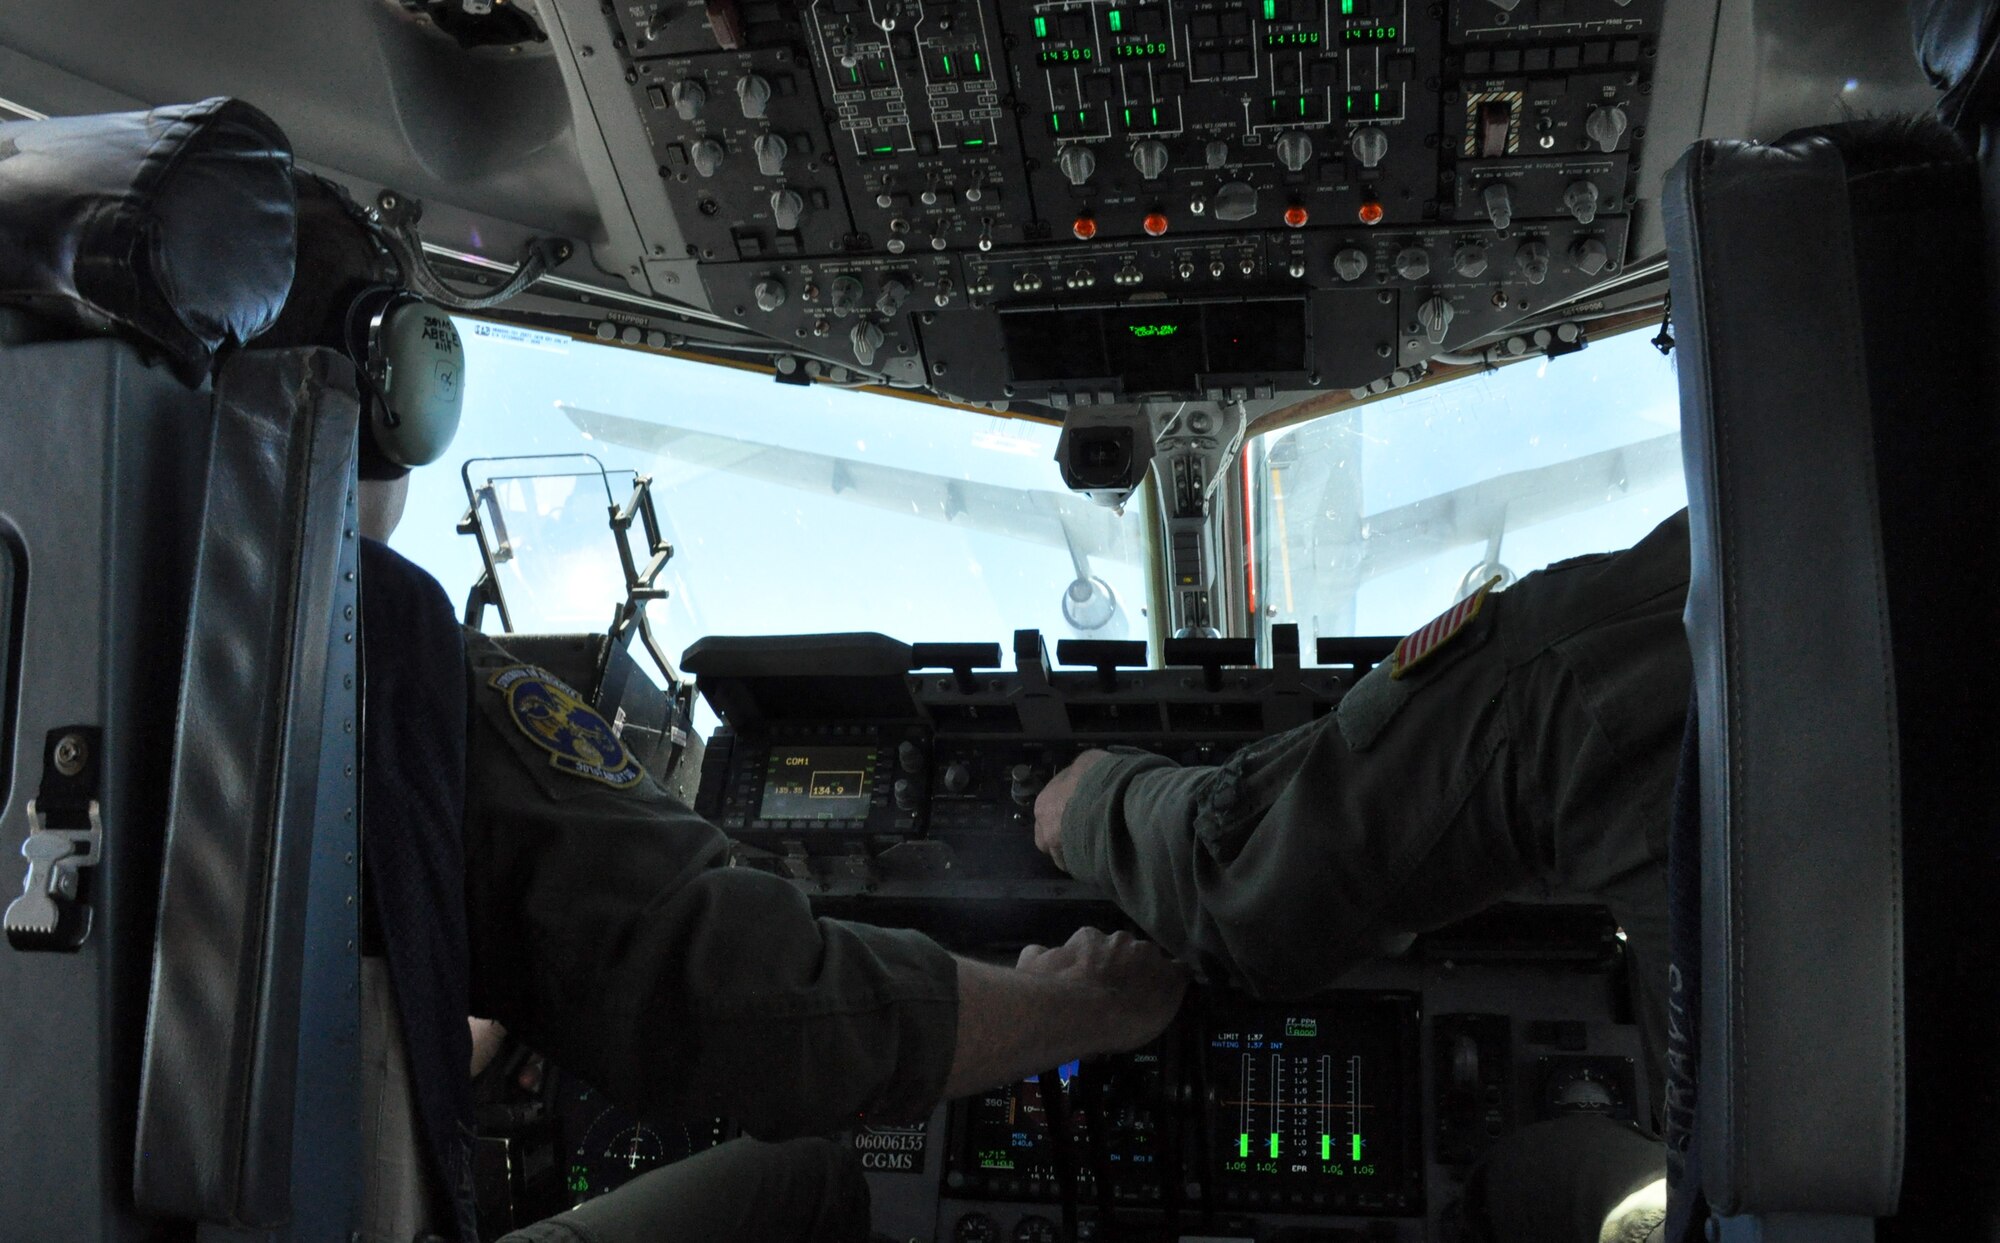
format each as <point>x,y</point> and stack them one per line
<point>1316,1104</point>
<point>818,783</point>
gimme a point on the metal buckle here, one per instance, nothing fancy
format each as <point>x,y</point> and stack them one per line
<point>48,915</point>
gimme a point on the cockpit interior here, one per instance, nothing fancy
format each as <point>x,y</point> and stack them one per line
<point>867,406</point>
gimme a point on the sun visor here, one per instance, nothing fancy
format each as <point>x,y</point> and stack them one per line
<point>173,228</point>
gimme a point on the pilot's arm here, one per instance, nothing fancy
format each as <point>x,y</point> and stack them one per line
<point>1528,744</point>
<point>608,932</point>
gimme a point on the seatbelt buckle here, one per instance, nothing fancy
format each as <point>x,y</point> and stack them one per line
<point>65,837</point>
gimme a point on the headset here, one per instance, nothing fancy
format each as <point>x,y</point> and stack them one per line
<point>412,364</point>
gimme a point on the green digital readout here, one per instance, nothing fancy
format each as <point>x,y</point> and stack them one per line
<point>1154,330</point>
<point>1362,104</point>
<point>1302,1027</point>
<point>1369,34</point>
<point>1065,55</point>
<point>1141,51</point>
<point>1292,38</point>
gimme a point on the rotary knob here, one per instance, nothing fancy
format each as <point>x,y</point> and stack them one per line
<point>1294,149</point>
<point>845,295</point>
<point>1215,154</point>
<point>1149,156</point>
<point>1077,163</point>
<point>890,300</point>
<point>957,777</point>
<point>1024,783</point>
<point>787,206</point>
<point>689,97</point>
<point>1469,260</point>
<point>1236,200</point>
<point>1581,200</point>
<point>770,294</point>
<point>1533,261</point>
<point>1590,255</point>
<point>1351,264</point>
<point>1369,145</point>
<point>1413,263</point>
<point>706,156</point>
<point>753,92</point>
<point>1499,203</point>
<point>1605,126</point>
<point>866,338</point>
<point>910,757</point>
<point>1435,315</point>
<point>771,150</point>
<point>909,793</point>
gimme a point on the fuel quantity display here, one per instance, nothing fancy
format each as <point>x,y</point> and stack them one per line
<point>1316,1105</point>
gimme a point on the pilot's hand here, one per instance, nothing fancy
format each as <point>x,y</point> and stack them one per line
<point>1053,801</point>
<point>1142,987</point>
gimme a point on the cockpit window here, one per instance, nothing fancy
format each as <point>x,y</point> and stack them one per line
<point>790,509</point>
<point>1372,520</point>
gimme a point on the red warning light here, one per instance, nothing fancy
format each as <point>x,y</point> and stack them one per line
<point>1370,213</point>
<point>1296,216</point>
<point>1085,228</point>
<point>1156,224</point>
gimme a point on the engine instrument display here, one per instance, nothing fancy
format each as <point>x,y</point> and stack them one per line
<point>818,783</point>
<point>1316,1105</point>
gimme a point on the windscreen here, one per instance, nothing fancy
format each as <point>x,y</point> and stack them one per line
<point>789,509</point>
<point>1374,519</point>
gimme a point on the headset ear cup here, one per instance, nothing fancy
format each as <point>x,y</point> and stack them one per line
<point>415,362</point>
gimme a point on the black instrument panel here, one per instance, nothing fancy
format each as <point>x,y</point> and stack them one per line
<point>1356,1111</point>
<point>943,183</point>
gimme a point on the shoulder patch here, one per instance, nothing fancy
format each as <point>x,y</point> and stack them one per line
<point>556,719</point>
<point>1427,639</point>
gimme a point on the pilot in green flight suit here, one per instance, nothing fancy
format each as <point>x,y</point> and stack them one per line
<point>607,929</point>
<point>1526,742</point>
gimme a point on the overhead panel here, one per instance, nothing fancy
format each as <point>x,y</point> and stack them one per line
<point>1093,201</point>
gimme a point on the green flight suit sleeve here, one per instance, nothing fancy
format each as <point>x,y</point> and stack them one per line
<point>609,932</point>
<point>1255,871</point>
<point>1531,752</point>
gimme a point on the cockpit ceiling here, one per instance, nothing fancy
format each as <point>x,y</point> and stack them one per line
<point>554,136</point>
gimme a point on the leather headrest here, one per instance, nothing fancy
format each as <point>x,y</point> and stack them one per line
<point>173,228</point>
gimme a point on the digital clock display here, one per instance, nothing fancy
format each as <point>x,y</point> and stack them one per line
<point>1369,34</point>
<point>1142,51</point>
<point>1293,38</point>
<point>1065,55</point>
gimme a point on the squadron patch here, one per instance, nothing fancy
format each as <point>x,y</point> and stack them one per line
<point>556,719</point>
<point>1427,639</point>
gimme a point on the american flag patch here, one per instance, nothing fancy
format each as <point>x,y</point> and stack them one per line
<point>1429,638</point>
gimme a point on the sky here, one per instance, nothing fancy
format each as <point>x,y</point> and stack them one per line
<point>1537,413</point>
<point>753,556</point>
<point>839,550</point>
